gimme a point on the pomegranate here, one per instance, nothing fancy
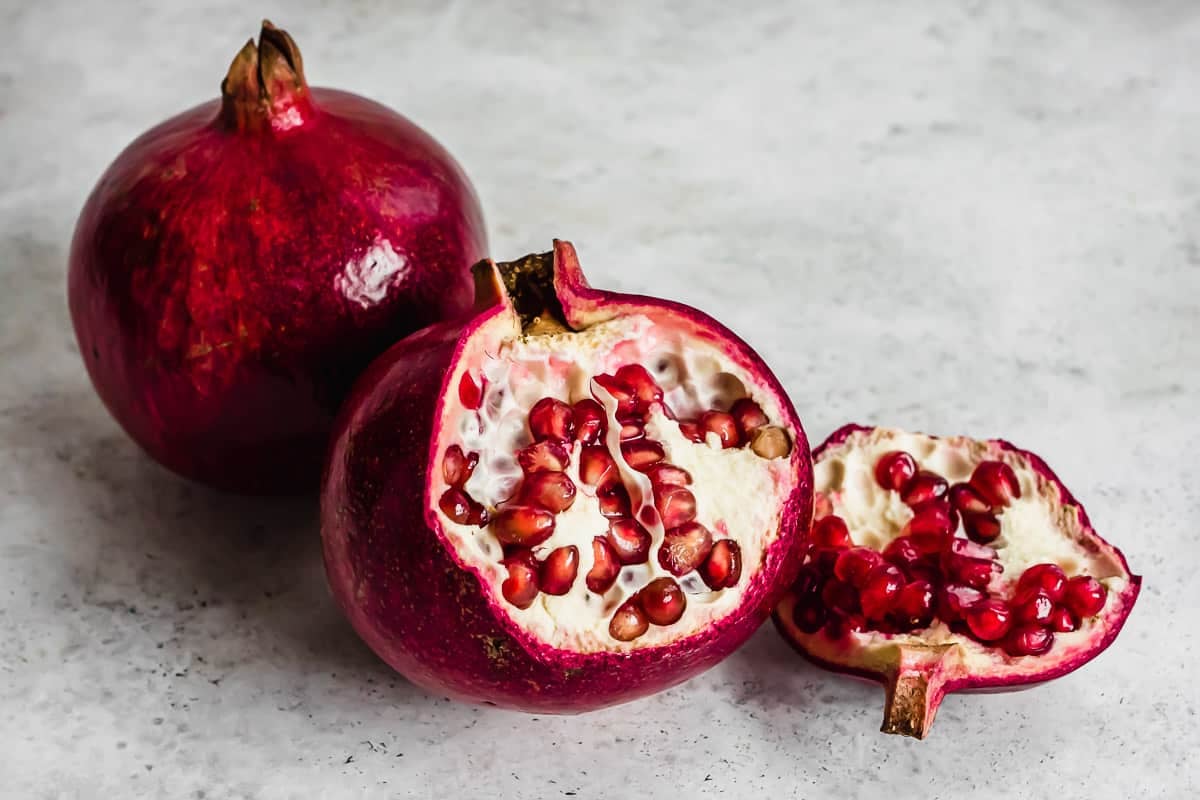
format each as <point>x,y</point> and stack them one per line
<point>906,599</point>
<point>237,267</point>
<point>650,555</point>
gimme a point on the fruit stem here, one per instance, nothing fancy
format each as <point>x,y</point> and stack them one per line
<point>528,283</point>
<point>265,86</point>
<point>915,689</point>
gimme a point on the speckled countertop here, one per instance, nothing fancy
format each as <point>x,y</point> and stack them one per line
<point>981,217</point>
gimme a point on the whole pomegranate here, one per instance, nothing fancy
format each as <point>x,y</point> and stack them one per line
<point>949,564</point>
<point>572,500</point>
<point>238,265</point>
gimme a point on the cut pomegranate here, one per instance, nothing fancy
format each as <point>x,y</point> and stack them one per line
<point>930,607</point>
<point>644,479</point>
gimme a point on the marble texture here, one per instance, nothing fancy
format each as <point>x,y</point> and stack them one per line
<point>977,217</point>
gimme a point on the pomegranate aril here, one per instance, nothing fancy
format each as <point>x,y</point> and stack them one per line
<point>809,616</point>
<point>723,425</point>
<point>596,466</point>
<point>982,528</point>
<point>589,419</point>
<point>1062,620</point>
<point>954,600</point>
<point>605,567</point>
<point>879,590</point>
<point>914,604</point>
<point>644,387</point>
<point>523,525</point>
<point>456,505</point>
<point>559,570</point>
<point>836,594</point>
<point>627,403</point>
<point>771,442</point>
<point>551,419</point>
<point>966,500</point>
<point>685,548</point>
<point>853,565</point>
<point>825,558</point>
<point>642,453</point>
<point>989,620</point>
<point>723,567</point>
<point>1084,596</point>
<point>543,457</point>
<point>676,505</point>
<point>521,586</point>
<point>628,622</point>
<point>469,393</point>
<point>924,487</point>
<point>930,522</point>
<point>1034,607</point>
<point>662,601</point>
<point>1048,577</point>
<point>831,531</point>
<point>749,417</point>
<point>456,469</point>
<point>664,474</point>
<point>996,483</point>
<point>614,501</point>
<point>974,572</point>
<point>808,582</point>
<point>692,431</point>
<point>894,470</point>
<point>632,429</point>
<point>630,542</point>
<point>1029,640</point>
<point>553,491</point>
<point>902,552</point>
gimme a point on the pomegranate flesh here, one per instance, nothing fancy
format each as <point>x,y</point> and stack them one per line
<point>690,490</point>
<point>238,266</point>
<point>928,609</point>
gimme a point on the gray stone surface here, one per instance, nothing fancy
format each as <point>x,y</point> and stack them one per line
<point>977,217</point>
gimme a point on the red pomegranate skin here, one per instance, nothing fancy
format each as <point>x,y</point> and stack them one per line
<point>209,283</point>
<point>402,587</point>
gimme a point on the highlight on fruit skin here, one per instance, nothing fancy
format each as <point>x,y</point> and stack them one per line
<point>948,564</point>
<point>572,499</point>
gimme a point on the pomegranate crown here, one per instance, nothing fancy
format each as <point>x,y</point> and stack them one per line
<point>265,86</point>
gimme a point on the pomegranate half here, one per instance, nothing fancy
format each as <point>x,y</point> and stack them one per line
<point>238,266</point>
<point>947,564</point>
<point>574,499</point>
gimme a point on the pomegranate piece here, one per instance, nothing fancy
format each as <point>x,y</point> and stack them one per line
<point>627,402</point>
<point>642,454</point>
<point>456,468</point>
<point>630,542</point>
<point>590,422</point>
<point>676,505</point>
<point>723,425</point>
<point>470,394</point>
<point>632,429</point>
<point>552,420</point>
<point>629,622</point>
<point>605,566</point>
<point>685,548</point>
<point>543,457</point>
<point>523,525</point>
<point>723,567</point>
<point>692,430</point>
<point>521,586</point>
<point>614,502</point>
<point>596,466</point>
<point>553,491</point>
<point>944,619</point>
<point>663,474</point>
<point>749,417</point>
<point>644,387</point>
<point>662,601</point>
<point>558,571</point>
<point>239,264</point>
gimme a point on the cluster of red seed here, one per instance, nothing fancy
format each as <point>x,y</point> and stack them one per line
<point>929,572</point>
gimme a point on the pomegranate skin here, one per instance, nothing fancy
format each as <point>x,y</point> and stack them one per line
<point>238,265</point>
<point>402,586</point>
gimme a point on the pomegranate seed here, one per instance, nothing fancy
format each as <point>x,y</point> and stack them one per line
<point>1085,596</point>
<point>685,548</point>
<point>469,393</point>
<point>605,567</point>
<point>627,403</point>
<point>543,457</point>
<point>521,586</point>
<point>807,583</point>
<point>955,599</point>
<point>662,601</point>
<point>676,505</point>
<point>456,505</point>
<point>553,491</point>
<point>879,591</point>
<point>692,430</point>
<point>839,595</point>
<point>809,616</point>
<point>931,522</point>
<point>924,487</point>
<point>822,506</point>
<point>1048,577</point>
<point>644,387</point>
<point>749,416</point>
<point>614,502</point>
<point>632,429</point>
<point>1029,640</point>
<point>1034,607</point>
<point>629,622</point>
<point>589,419</point>
<point>559,570</point>
<point>642,453</point>
<point>523,525</point>
<point>723,425</point>
<point>825,558</point>
<point>914,604</point>
<point>831,531</point>
<point>551,419</point>
<point>596,466</point>
<point>771,442</point>
<point>902,552</point>
<point>996,483</point>
<point>664,474</point>
<point>974,572</point>
<point>455,467</point>
<point>1062,620</point>
<point>894,470</point>
<point>989,620</point>
<point>966,500</point>
<point>981,528</point>
<point>630,542</point>
<point>723,568</point>
<point>853,565</point>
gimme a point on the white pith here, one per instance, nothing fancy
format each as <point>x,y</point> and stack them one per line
<point>737,491</point>
<point>1036,528</point>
